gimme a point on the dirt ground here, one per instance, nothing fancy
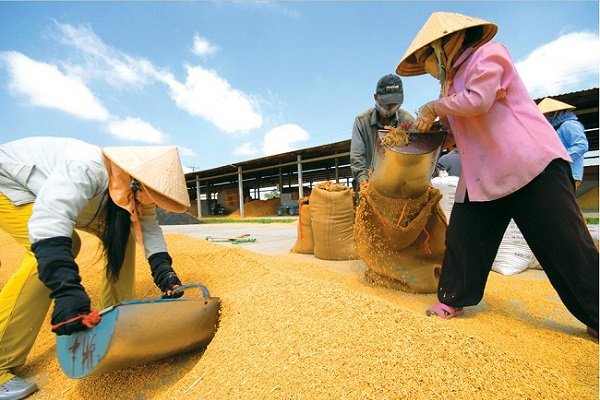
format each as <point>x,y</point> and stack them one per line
<point>295,327</point>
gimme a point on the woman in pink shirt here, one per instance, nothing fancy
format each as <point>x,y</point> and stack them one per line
<point>513,166</point>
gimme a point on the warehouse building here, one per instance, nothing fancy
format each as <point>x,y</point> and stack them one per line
<point>293,174</point>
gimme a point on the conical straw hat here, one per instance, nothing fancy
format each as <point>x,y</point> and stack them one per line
<point>157,168</point>
<point>437,26</point>
<point>549,105</point>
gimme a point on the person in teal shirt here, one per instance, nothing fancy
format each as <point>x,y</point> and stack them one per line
<point>570,131</point>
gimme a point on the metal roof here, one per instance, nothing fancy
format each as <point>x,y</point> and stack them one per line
<point>318,164</point>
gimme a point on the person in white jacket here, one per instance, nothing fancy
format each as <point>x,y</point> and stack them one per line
<point>48,187</point>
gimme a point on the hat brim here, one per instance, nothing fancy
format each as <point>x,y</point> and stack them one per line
<point>157,168</point>
<point>392,98</point>
<point>438,26</point>
<point>549,105</point>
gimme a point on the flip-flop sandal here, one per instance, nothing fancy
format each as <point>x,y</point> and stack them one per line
<point>592,332</point>
<point>445,311</point>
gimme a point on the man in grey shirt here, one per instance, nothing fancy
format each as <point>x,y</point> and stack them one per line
<point>388,96</point>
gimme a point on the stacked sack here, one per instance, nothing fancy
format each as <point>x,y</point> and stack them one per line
<point>325,223</point>
<point>514,254</point>
<point>305,240</point>
<point>447,187</point>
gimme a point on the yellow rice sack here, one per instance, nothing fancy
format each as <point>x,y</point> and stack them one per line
<point>304,242</point>
<point>332,221</point>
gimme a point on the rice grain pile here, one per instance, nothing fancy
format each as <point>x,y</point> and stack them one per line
<point>258,208</point>
<point>294,328</point>
<point>396,137</point>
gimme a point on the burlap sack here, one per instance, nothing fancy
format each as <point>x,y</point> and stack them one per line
<point>304,242</point>
<point>332,221</point>
<point>401,240</point>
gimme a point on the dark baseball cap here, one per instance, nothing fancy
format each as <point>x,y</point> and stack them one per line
<point>389,89</point>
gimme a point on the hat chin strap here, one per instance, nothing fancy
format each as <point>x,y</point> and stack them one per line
<point>122,189</point>
<point>445,55</point>
<point>439,56</point>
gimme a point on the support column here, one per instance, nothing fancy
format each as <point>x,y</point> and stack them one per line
<point>300,184</point>
<point>241,191</point>
<point>280,188</point>
<point>198,201</point>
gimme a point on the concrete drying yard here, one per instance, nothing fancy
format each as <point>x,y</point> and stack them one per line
<point>272,238</point>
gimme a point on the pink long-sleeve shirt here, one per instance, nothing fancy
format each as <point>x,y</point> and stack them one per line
<point>503,139</point>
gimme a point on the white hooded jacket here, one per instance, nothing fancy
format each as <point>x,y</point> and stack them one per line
<point>67,181</point>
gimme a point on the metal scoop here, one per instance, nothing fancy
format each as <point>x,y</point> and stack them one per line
<point>405,171</point>
<point>137,331</point>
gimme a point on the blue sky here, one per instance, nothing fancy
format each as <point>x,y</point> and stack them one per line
<point>233,81</point>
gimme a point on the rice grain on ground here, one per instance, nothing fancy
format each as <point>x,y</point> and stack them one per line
<point>295,327</point>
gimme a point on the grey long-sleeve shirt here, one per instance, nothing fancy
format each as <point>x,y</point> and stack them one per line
<point>364,133</point>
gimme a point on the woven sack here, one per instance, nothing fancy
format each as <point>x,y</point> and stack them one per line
<point>401,240</point>
<point>304,242</point>
<point>332,221</point>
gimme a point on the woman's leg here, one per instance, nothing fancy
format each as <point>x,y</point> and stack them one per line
<point>548,215</point>
<point>472,240</point>
<point>24,300</point>
<point>112,293</point>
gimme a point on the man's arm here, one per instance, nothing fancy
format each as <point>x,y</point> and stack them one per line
<point>358,152</point>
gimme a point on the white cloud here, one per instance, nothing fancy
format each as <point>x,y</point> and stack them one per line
<point>44,85</point>
<point>134,129</point>
<point>280,139</point>
<point>278,7</point>
<point>566,64</point>
<point>246,149</point>
<point>102,61</point>
<point>186,151</point>
<point>202,47</point>
<point>205,94</point>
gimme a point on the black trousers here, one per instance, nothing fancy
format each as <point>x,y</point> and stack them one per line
<point>547,213</point>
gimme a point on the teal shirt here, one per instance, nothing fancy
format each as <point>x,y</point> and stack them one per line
<point>572,135</point>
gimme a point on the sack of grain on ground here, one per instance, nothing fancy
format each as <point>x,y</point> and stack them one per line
<point>332,221</point>
<point>401,240</point>
<point>304,242</point>
<point>514,255</point>
<point>447,186</point>
<point>292,328</point>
